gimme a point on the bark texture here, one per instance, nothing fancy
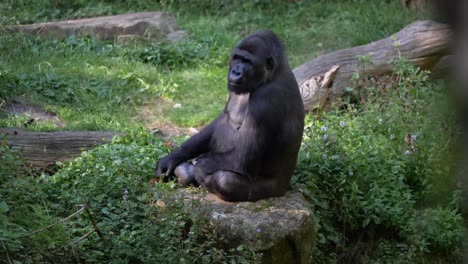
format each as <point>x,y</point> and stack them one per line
<point>424,43</point>
<point>43,149</point>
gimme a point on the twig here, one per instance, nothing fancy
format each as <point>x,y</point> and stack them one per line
<point>93,222</point>
<point>83,207</point>
<point>6,250</point>
<point>80,239</point>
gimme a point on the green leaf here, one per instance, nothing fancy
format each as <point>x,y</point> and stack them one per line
<point>366,222</point>
<point>3,207</point>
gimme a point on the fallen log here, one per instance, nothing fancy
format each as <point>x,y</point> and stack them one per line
<point>423,43</point>
<point>43,149</point>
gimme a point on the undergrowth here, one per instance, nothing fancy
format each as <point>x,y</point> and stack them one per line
<point>379,173</point>
<point>104,207</point>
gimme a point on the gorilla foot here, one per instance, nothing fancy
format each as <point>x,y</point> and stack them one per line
<point>185,174</point>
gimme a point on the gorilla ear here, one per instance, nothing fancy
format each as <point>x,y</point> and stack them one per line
<point>270,63</point>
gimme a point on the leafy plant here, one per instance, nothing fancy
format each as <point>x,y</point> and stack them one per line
<point>377,172</point>
<point>131,219</point>
<point>366,166</point>
<point>22,210</point>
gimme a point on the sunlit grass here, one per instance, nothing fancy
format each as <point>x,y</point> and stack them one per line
<point>110,85</point>
<point>360,170</point>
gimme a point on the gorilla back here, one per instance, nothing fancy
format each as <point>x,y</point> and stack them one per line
<point>249,151</point>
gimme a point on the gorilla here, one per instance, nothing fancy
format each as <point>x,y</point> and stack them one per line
<point>249,151</point>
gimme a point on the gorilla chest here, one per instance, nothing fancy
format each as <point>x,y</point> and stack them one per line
<point>233,128</point>
<point>236,109</point>
<point>229,135</point>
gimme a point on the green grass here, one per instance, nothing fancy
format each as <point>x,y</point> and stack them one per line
<point>94,85</point>
<point>367,192</point>
<point>375,198</point>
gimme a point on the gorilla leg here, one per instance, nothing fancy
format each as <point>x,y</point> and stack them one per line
<point>227,185</point>
<point>185,174</point>
<point>231,186</point>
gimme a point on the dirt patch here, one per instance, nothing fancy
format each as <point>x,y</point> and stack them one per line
<point>152,115</point>
<point>21,106</point>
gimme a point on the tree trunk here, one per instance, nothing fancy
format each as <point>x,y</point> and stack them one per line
<point>423,43</point>
<point>43,149</point>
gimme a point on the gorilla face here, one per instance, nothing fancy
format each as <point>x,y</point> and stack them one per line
<point>250,66</point>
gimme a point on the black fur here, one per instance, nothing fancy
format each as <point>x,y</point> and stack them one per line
<point>249,151</point>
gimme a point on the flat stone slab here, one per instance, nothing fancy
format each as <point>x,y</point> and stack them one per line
<point>281,228</point>
<point>148,25</point>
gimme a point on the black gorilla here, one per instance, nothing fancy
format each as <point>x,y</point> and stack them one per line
<point>249,151</point>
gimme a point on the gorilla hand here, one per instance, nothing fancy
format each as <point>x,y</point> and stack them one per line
<point>167,165</point>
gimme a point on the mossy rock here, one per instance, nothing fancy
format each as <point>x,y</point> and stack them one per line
<point>282,228</point>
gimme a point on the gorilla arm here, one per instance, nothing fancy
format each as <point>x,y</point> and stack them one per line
<point>192,148</point>
<point>200,143</point>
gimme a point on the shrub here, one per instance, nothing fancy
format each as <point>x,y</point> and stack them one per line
<point>23,209</point>
<point>130,220</point>
<point>114,180</point>
<point>365,166</point>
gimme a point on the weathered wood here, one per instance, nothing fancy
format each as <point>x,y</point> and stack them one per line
<point>43,149</point>
<point>423,43</point>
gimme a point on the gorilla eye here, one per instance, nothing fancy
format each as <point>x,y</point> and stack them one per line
<point>241,58</point>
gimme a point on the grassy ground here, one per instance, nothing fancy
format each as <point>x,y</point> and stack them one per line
<point>379,176</point>
<point>93,85</point>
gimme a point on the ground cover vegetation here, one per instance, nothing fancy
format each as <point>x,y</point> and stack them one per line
<point>378,170</point>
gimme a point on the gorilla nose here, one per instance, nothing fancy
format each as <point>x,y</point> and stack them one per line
<point>235,73</point>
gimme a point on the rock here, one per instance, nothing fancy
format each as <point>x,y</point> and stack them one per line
<point>148,25</point>
<point>128,39</point>
<point>176,36</point>
<point>281,228</point>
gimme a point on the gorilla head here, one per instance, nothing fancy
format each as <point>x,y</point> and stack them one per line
<point>254,61</point>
